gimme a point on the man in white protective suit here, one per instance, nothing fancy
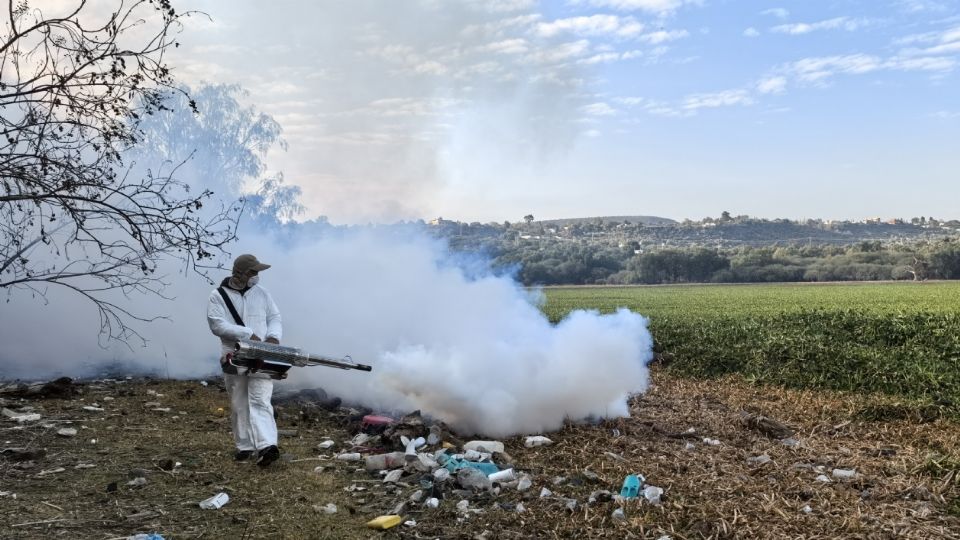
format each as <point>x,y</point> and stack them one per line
<point>254,317</point>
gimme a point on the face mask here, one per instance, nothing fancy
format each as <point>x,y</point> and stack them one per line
<point>253,281</point>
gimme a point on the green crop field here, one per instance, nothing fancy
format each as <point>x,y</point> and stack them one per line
<point>896,338</point>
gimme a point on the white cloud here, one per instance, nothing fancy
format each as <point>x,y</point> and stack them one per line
<point>663,36</point>
<point>934,43</point>
<point>844,23</point>
<point>816,69</point>
<point>507,46</point>
<point>819,69</point>
<point>921,6</point>
<point>601,58</point>
<point>751,32</point>
<point>593,25</point>
<point>779,13</point>
<point>631,101</point>
<point>727,98</point>
<point>599,109</point>
<point>592,133</point>
<point>659,7</point>
<point>559,53</point>
<point>772,85</point>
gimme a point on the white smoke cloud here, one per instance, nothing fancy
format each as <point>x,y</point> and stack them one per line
<point>476,352</point>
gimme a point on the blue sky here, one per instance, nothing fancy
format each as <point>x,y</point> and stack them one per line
<point>489,110</point>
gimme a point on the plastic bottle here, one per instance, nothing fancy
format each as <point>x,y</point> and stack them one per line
<point>380,462</point>
<point>489,447</point>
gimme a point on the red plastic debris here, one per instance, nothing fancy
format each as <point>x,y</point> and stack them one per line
<point>375,423</point>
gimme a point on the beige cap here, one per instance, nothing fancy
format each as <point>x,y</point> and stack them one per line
<point>247,263</point>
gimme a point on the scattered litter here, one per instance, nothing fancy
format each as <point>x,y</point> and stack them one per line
<point>412,445</point>
<point>790,442</point>
<point>463,505</point>
<point>537,440</point>
<point>432,502</point>
<point>571,505</point>
<point>360,439</point>
<point>615,457</point>
<point>204,383</point>
<point>381,462</point>
<point>326,445</point>
<point>152,404</point>
<point>84,466</point>
<point>441,475</point>
<point>689,446</point>
<point>67,432</point>
<point>631,486</point>
<point>144,536</point>
<point>844,474</point>
<point>545,493</point>
<point>350,456</point>
<point>525,483</point>
<point>823,478</point>
<point>329,508</point>
<point>137,482</point>
<point>410,523</point>
<point>618,514</point>
<point>393,476</point>
<point>806,509</point>
<point>416,496</point>
<point>473,455</point>
<point>471,478</point>
<point>489,447</point>
<point>520,508</point>
<point>652,494</point>
<point>762,459</point>
<point>215,502</point>
<point>711,442</point>
<point>21,417</point>
<point>505,475</point>
<point>51,471</point>
<point>10,494</point>
<point>161,409</point>
<point>384,522</point>
<point>91,408</point>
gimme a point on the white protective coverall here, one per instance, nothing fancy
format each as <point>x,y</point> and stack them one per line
<point>251,414</point>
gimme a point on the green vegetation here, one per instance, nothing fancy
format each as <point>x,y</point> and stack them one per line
<point>738,249</point>
<point>897,338</point>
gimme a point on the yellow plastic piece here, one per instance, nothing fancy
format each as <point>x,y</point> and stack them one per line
<point>447,444</point>
<point>384,522</point>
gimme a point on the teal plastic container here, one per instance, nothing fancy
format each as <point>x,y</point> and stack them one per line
<point>454,465</point>
<point>631,486</point>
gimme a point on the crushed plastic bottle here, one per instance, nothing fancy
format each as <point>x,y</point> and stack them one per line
<point>524,483</point>
<point>652,494</point>
<point>844,474</point>
<point>489,447</point>
<point>215,502</point>
<point>537,440</point>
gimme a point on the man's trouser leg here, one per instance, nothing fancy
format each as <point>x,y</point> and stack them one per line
<point>239,410</point>
<point>263,428</point>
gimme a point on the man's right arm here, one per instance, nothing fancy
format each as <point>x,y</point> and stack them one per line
<point>221,322</point>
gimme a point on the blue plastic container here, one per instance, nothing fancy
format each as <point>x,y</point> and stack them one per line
<point>631,487</point>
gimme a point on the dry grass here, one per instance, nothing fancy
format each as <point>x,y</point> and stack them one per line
<point>908,483</point>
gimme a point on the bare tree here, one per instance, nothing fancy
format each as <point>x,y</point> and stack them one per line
<point>73,89</point>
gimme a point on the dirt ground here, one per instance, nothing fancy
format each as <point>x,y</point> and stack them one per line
<point>175,435</point>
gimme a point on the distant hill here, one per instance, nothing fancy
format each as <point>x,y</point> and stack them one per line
<point>644,220</point>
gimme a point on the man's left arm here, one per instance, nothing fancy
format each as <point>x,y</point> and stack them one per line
<point>274,326</point>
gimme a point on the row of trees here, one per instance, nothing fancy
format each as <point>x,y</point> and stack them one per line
<point>566,263</point>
